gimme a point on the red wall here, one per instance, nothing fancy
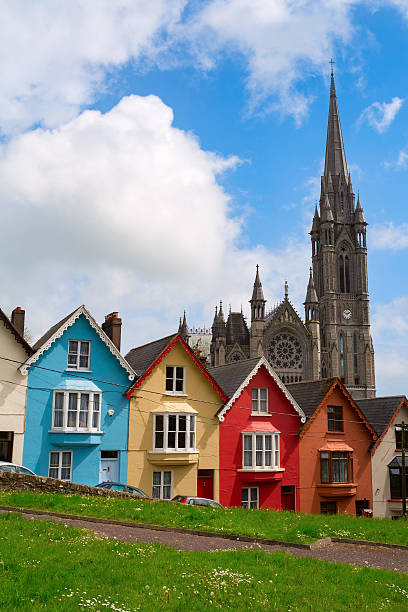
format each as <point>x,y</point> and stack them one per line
<point>237,419</point>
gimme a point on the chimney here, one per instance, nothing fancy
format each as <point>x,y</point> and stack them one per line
<point>112,326</point>
<point>17,319</point>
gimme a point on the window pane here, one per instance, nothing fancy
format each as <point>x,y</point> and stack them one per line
<point>247,458</point>
<point>247,442</point>
<point>166,492</point>
<point>53,472</point>
<point>325,469</point>
<point>54,459</point>
<point>169,378</point>
<point>254,400</point>
<point>157,478</point>
<point>192,423</point>
<point>268,442</point>
<point>244,497</point>
<point>180,373</point>
<point>172,422</point>
<point>181,442</point>
<point>192,439</point>
<point>254,494</point>
<point>159,422</point>
<point>65,473</point>
<point>264,394</point>
<point>96,408</point>
<point>156,492</point>
<point>171,439</point>
<point>182,425</point>
<point>259,442</point>
<point>179,385</point>
<point>66,458</point>
<point>167,478</point>
<point>72,409</point>
<point>84,348</point>
<point>158,439</point>
<point>83,412</point>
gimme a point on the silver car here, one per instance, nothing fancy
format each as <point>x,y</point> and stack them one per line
<point>16,469</point>
<point>196,501</point>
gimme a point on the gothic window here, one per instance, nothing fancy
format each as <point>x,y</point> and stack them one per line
<point>286,356</point>
<point>355,359</point>
<point>344,272</point>
<point>341,352</point>
<point>324,370</point>
<point>235,357</point>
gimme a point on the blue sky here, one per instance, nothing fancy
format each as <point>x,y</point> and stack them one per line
<point>152,152</point>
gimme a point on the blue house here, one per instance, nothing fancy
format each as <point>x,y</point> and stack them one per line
<point>77,414</point>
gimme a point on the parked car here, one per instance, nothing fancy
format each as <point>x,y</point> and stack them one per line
<point>16,469</point>
<point>196,501</point>
<point>117,486</point>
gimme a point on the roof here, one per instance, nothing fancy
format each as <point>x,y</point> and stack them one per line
<point>19,338</point>
<point>380,410</point>
<point>231,375</point>
<point>309,394</point>
<point>145,358</point>
<point>234,377</point>
<point>48,334</point>
<point>141,357</point>
<point>56,331</point>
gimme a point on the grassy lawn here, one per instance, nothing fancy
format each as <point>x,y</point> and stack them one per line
<point>287,526</point>
<point>48,566</point>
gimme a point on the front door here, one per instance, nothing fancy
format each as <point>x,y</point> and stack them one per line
<point>109,467</point>
<point>288,498</point>
<point>205,484</point>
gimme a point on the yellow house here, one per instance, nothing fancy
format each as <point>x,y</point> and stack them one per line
<point>173,427</point>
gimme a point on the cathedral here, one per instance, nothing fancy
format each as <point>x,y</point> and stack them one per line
<point>334,339</point>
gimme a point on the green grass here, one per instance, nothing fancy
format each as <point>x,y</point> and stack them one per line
<point>48,566</point>
<point>287,526</point>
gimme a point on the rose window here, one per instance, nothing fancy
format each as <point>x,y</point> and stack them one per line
<point>285,352</point>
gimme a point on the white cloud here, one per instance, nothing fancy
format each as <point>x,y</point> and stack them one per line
<point>123,211</point>
<point>388,236</point>
<point>54,56</point>
<point>282,42</point>
<point>390,337</point>
<point>380,115</point>
<point>400,163</point>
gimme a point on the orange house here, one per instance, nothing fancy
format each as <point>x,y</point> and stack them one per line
<point>334,449</point>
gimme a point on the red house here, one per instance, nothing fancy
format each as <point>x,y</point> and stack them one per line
<point>259,443</point>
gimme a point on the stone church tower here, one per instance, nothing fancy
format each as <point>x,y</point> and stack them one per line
<point>334,339</point>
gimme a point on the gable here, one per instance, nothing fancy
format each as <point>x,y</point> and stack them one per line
<point>80,321</point>
<point>177,353</point>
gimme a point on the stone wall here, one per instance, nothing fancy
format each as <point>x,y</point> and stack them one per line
<point>25,482</point>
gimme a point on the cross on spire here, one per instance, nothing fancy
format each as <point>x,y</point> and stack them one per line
<point>332,62</point>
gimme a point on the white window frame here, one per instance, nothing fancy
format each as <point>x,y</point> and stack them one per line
<point>60,467</point>
<point>76,366</point>
<point>162,485</point>
<point>256,391</point>
<point>274,451</point>
<point>190,432</point>
<point>173,391</point>
<point>94,400</point>
<point>247,504</point>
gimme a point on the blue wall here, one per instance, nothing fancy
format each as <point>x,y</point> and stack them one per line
<point>86,447</point>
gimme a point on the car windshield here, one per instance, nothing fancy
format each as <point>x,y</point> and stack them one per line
<point>22,470</point>
<point>178,498</point>
<point>8,468</point>
<point>136,491</point>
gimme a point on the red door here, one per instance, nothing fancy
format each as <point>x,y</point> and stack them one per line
<point>205,484</point>
<point>288,499</point>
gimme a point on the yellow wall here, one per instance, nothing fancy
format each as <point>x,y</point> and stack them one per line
<point>149,397</point>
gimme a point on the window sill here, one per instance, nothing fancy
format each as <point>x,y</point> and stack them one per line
<point>260,414</point>
<point>261,470</point>
<point>70,370</point>
<point>76,431</point>
<point>172,451</point>
<point>175,393</point>
<point>336,432</point>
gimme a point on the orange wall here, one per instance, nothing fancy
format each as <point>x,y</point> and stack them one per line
<point>314,436</point>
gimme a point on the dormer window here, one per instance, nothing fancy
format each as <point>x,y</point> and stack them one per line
<point>175,379</point>
<point>78,354</point>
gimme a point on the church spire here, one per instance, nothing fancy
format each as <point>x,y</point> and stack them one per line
<point>257,293</point>
<point>183,328</point>
<point>335,161</point>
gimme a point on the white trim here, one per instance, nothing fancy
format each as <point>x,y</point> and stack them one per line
<point>105,339</point>
<point>271,371</point>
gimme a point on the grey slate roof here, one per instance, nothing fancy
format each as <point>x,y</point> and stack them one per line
<point>379,410</point>
<point>309,394</point>
<point>52,331</point>
<point>231,375</point>
<point>142,357</point>
<point>236,329</point>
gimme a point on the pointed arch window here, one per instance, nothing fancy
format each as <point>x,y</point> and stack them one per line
<point>341,352</point>
<point>355,359</point>
<point>344,272</point>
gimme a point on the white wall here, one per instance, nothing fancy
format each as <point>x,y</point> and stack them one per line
<point>12,394</point>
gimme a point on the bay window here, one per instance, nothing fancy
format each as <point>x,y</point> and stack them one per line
<point>174,432</point>
<point>76,411</point>
<point>260,451</point>
<point>336,467</point>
